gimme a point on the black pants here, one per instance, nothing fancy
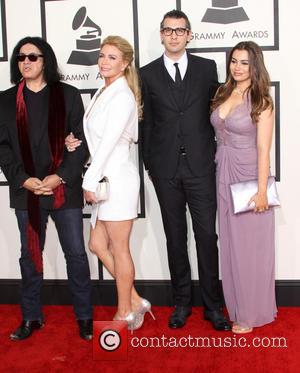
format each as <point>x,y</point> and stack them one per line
<point>69,227</point>
<point>199,193</point>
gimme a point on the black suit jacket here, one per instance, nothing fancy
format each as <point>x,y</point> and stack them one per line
<point>70,170</point>
<point>167,124</point>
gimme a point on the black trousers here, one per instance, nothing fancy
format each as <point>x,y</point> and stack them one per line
<point>199,194</point>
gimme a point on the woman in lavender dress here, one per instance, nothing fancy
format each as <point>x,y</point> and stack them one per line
<point>242,116</point>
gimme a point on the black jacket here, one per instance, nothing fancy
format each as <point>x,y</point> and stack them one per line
<point>70,170</point>
<point>166,125</point>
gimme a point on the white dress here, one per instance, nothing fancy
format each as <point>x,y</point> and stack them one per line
<point>111,126</point>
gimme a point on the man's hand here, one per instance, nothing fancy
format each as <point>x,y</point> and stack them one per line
<point>48,184</point>
<point>32,183</point>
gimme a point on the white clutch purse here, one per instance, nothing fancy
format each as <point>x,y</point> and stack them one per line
<point>102,191</point>
<point>242,192</point>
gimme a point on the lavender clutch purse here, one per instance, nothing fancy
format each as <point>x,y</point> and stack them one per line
<point>242,192</point>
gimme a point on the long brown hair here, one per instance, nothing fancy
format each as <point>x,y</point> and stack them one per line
<point>260,81</point>
<point>130,72</point>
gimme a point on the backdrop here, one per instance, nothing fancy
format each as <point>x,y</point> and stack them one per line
<point>75,28</point>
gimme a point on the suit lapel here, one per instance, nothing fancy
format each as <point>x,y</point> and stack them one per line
<point>194,84</point>
<point>188,82</point>
<point>167,82</point>
<point>87,112</point>
<point>104,97</point>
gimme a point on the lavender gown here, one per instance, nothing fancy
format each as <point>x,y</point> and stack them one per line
<point>247,246</point>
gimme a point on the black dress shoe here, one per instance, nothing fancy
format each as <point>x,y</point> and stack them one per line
<point>179,316</point>
<point>217,319</point>
<point>25,329</point>
<point>86,329</point>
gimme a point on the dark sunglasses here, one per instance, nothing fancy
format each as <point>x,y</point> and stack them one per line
<point>32,57</point>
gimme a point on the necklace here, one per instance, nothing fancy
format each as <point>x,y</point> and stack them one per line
<point>239,91</point>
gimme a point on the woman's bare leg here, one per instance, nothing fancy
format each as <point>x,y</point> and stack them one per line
<point>118,233</point>
<point>100,244</point>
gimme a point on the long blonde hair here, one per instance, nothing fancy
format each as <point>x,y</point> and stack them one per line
<point>130,72</point>
<point>260,81</point>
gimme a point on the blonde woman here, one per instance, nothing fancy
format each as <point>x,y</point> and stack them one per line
<point>111,126</point>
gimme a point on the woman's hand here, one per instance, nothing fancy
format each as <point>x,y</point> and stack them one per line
<point>261,202</point>
<point>90,197</point>
<point>72,142</point>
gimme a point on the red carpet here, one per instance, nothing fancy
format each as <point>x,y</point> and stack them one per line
<point>58,348</point>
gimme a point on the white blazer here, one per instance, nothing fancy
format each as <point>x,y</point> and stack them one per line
<point>110,125</point>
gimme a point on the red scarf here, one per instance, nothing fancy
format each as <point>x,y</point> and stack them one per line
<point>56,134</point>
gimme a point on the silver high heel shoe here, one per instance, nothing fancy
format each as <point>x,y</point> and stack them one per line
<point>145,307</point>
<point>130,318</point>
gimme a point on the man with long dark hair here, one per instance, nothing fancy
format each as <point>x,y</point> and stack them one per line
<point>178,149</point>
<point>44,179</point>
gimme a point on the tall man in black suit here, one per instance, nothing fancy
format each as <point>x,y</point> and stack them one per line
<point>178,149</point>
<point>44,178</point>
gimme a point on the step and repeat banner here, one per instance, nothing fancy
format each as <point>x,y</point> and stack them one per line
<point>75,28</point>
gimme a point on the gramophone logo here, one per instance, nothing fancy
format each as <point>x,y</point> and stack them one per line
<point>225,12</point>
<point>88,45</point>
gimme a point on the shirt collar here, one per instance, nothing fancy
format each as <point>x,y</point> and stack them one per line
<point>183,60</point>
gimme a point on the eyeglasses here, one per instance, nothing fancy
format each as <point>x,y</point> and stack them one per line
<point>32,57</point>
<point>179,31</point>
